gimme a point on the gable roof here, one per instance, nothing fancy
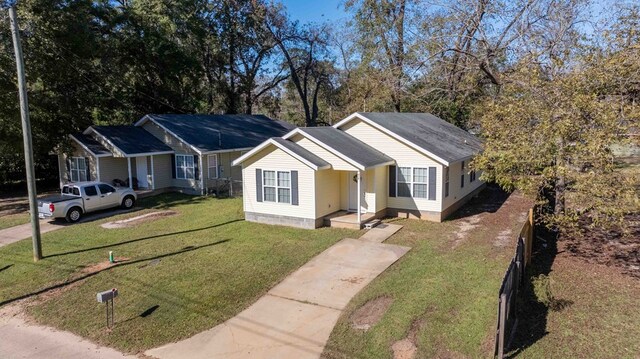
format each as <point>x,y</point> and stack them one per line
<point>345,146</point>
<point>209,133</point>
<point>440,139</point>
<point>292,148</point>
<point>130,140</point>
<point>91,145</point>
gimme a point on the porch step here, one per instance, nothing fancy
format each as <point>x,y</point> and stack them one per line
<point>372,223</point>
<point>343,219</point>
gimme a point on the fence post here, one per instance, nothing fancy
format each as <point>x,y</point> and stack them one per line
<point>501,325</point>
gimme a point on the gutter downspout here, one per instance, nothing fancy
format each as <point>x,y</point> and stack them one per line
<point>129,169</point>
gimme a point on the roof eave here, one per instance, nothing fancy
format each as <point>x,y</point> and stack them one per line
<point>268,142</point>
<point>344,157</point>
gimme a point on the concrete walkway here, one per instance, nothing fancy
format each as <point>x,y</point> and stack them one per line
<point>296,317</point>
<point>381,232</point>
<point>20,339</point>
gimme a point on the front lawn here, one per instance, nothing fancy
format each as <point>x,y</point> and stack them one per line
<point>179,275</point>
<point>444,290</point>
<point>14,219</point>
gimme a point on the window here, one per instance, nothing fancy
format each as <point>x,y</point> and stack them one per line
<point>446,182</point>
<point>276,186</point>
<point>105,188</point>
<point>76,191</point>
<point>412,182</point>
<point>472,176</point>
<point>213,166</point>
<point>185,167</point>
<point>78,169</point>
<point>90,191</point>
<point>462,175</point>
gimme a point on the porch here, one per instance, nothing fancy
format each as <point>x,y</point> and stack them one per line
<point>347,219</point>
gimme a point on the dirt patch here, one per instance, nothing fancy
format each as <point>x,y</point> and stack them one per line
<point>370,313</point>
<point>354,280</point>
<point>132,222</point>
<point>408,347</point>
<point>504,238</point>
<point>613,248</point>
<point>102,265</point>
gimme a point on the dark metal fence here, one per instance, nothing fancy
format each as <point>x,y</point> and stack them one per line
<point>510,289</point>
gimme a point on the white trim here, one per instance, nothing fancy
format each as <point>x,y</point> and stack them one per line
<point>270,141</point>
<point>129,169</point>
<point>88,150</point>
<point>276,186</point>
<point>184,167</point>
<point>392,134</point>
<point>413,181</point>
<point>149,153</point>
<point>98,168</point>
<point>146,118</point>
<point>153,175</point>
<point>359,205</point>
<point>217,166</point>
<point>201,173</point>
<point>229,150</point>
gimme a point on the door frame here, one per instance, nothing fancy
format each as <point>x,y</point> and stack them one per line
<point>141,163</point>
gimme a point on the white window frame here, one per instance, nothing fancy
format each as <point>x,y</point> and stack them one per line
<point>185,167</point>
<point>78,169</point>
<point>412,182</point>
<point>215,168</point>
<point>276,187</point>
<point>446,181</point>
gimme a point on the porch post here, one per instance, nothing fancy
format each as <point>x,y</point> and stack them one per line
<point>153,177</point>
<point>359,205</point>
<point>129,168</point>
<point>98,168</point>
<point>202,189</point>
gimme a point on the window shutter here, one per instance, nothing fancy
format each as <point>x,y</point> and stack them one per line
<point>86,162</point>
<point>392,181</point>
<point>432,183</point>
<point>294,188</point>
<point>196,168</point>
<point>258,185</point>
<point>173,165</point>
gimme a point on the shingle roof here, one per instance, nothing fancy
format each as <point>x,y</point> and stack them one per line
<point>91,144</point>
<point>429,132</point>
<point>348,146</point>
<point>222,132</point>
<point>302,152</point>
<point>131,139</point>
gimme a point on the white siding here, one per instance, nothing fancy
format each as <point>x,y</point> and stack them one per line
<point>455,191</point>
<point>327,192</point>
<point>405,156</point>
<point>272,158</point>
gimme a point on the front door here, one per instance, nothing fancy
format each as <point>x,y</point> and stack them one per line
<point>141,172</point>
<point>353,191</point>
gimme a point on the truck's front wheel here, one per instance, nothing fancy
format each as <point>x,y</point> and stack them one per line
<point>73,215</point>
<point>128,202</point>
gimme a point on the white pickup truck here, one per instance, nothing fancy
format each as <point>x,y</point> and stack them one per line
<point>79,198</point>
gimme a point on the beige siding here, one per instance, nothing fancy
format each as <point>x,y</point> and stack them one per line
<point>327,192</point>
<point>336,162</point>
<point>272,158</point>
<point>381,188</point>
<point>405,156</point>
<point>226,169</point>
<point>162,171</point>
<point>77,151</point>
<point>112,168</point>
<point>455,191</point>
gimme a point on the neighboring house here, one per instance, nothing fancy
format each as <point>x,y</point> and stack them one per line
<point>367,166</point>
<point>188,153</point>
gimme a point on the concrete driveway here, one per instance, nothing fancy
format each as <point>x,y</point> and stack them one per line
<point>17,233</point>
<point>296,317</point>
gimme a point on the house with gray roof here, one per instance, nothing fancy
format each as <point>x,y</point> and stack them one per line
<point>367,166</point>
<point>187,153</point>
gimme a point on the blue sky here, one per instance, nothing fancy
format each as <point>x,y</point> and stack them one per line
<point>314,10</point>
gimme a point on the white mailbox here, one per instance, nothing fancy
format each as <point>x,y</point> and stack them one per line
<point>107,295</point>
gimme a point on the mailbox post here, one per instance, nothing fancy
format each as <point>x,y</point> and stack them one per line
<point>106,297</point>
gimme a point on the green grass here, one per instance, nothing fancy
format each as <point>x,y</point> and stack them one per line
<point>10,220</point>
<point>212,265</point>
<point>451,291</point>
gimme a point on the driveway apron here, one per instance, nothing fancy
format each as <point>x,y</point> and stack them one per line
<point>295,318</point>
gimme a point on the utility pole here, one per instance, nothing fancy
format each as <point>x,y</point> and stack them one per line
<point>26,134</point>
